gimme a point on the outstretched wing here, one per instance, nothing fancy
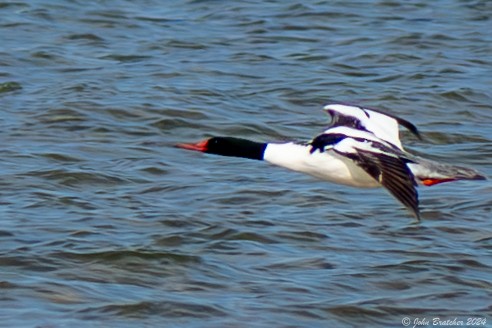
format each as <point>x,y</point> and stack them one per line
<point>375,114</point>
<point>393,174</point>
<point>382,125</point>
<point>386,165</point>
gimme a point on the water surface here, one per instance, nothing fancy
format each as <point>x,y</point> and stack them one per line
<point>104,223</point>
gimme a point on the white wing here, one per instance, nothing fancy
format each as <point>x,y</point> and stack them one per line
<point>383,126</point>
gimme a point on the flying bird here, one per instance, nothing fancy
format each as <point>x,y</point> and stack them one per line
<point>360,148</point>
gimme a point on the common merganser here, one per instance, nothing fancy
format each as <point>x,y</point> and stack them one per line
<point>361,148</point>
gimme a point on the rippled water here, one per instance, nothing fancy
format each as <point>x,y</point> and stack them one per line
<point>104,223</point>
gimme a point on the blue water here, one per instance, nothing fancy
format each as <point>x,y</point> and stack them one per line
<point>104,223</point>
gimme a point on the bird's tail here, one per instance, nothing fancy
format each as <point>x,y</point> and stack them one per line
<point>429,173</point>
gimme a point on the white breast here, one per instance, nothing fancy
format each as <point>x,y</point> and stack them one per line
<point>328,165</point>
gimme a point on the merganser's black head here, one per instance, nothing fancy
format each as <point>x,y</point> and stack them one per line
<point>228,146</point>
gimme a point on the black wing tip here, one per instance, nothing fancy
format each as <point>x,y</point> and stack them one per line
<point>411,204</point>
<point>415,211</point>
<point>409,126</point>
<point>405,123</point>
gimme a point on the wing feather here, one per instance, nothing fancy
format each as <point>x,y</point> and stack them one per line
<point>388,168</point>
<point>381,124</point>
